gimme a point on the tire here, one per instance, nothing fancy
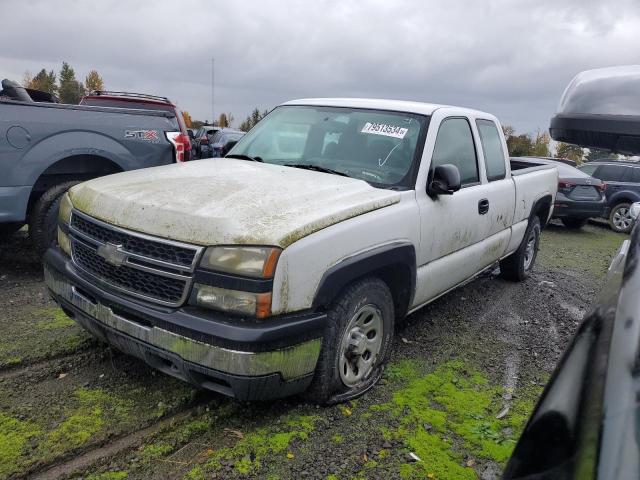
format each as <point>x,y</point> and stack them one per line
<point>363,307</point>
<point>619,219</point>
<point>517,266</point>
<point>574,223</point>
<point>43,220</point>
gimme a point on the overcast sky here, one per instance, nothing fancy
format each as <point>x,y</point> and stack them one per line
<point>511,58</point>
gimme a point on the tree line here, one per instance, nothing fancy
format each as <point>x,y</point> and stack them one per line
<point>225,120</point>
<point>64,84</point>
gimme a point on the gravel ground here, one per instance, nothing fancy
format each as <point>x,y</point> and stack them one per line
<point>465,373</point>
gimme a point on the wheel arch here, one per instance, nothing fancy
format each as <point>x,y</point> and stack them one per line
<point>395,264</point>
<point>74,167</point>
<point>542,208</point>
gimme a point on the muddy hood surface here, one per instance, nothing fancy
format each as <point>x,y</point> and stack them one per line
<point>227,201</point>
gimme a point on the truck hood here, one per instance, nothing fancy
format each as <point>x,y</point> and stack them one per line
<point>227,201</point>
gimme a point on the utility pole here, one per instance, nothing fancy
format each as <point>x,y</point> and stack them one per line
<point>213,115</point>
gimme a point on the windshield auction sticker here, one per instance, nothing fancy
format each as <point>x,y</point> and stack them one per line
<point>384,129</point>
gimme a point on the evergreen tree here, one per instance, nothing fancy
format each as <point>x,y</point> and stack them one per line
<point>43,81</point>
<point>70,90</point>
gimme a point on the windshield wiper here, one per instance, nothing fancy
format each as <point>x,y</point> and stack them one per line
<point>315,168</point>
<point>245,157</point>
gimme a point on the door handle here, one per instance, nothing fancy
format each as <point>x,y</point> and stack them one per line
<point>483,206</point>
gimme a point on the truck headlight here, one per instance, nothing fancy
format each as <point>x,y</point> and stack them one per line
<point>64,213</point>
<point>245,303</point>
<point>257,262</point>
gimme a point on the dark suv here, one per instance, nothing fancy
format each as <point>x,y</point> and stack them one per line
<point>623,188</point>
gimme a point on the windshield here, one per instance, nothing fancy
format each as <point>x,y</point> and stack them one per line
<point>372,145</point>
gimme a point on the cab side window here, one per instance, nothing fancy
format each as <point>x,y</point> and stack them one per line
<point>494,157</point>
<point>454,145</point>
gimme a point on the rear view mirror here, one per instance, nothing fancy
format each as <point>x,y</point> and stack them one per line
<point>445,180</point>
<point>600,109</point>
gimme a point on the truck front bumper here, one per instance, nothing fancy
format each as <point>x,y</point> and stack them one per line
<point>250,361</point>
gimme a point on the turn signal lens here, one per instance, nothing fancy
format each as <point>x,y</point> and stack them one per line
<point>234,301</point>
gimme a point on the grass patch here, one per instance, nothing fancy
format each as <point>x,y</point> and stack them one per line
<point>562,248</point>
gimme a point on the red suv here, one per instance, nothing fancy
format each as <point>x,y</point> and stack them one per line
<point>104,98</point>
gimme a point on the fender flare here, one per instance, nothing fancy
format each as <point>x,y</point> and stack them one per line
<point>378,259</point>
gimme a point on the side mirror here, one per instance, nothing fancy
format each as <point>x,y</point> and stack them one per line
<point>445,180</point>
<point>634,211</point>
<point>191,134</point>
<point>227,148</point>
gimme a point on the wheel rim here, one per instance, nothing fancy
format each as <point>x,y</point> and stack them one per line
<point>622,219</point>
<point>530,249</point>
<point>361,345</point>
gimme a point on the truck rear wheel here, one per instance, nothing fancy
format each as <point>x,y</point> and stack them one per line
<point>356,344</point>
<point>517,266</point>
<point>43,220</point>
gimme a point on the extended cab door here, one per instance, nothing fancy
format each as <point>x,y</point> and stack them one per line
<point>459,234</point>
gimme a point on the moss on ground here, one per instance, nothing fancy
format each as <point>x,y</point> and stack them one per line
<point>94,408</point>
<point>14,437</point>
<point>563,248</point>
<point>450,411</point>
<point>249,453</point>
<point>53,318</point>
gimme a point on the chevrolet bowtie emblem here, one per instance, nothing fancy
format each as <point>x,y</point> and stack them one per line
<point>112,254</point>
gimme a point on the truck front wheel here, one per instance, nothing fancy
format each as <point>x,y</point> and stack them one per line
<point>43,220</point>
<point>356,344</point>
<point>517,266</point>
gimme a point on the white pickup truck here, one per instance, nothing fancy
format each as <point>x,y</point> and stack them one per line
<point>284,266</point>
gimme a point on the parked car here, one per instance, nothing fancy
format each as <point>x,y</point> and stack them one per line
<point>579,197</point>
<point>50,147</point>
<point>221,141</point>
<point>623,188</point>
<point>201,139</point>
<point>260,277</point>
<point>585,425</point>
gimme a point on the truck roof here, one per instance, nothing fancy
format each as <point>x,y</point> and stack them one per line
<point>380,104</point>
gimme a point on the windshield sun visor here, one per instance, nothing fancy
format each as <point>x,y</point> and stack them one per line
<point>601,109</point>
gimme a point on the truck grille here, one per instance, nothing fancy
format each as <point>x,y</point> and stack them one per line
<point>169,253</point>
<point>155,270</point>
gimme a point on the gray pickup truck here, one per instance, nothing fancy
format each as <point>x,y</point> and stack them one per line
<point>46,147</point>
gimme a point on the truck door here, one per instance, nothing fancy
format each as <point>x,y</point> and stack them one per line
<point>500,192</point>
<point>453,228</point>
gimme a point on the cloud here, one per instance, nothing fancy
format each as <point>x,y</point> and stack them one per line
<point>511,58</point>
